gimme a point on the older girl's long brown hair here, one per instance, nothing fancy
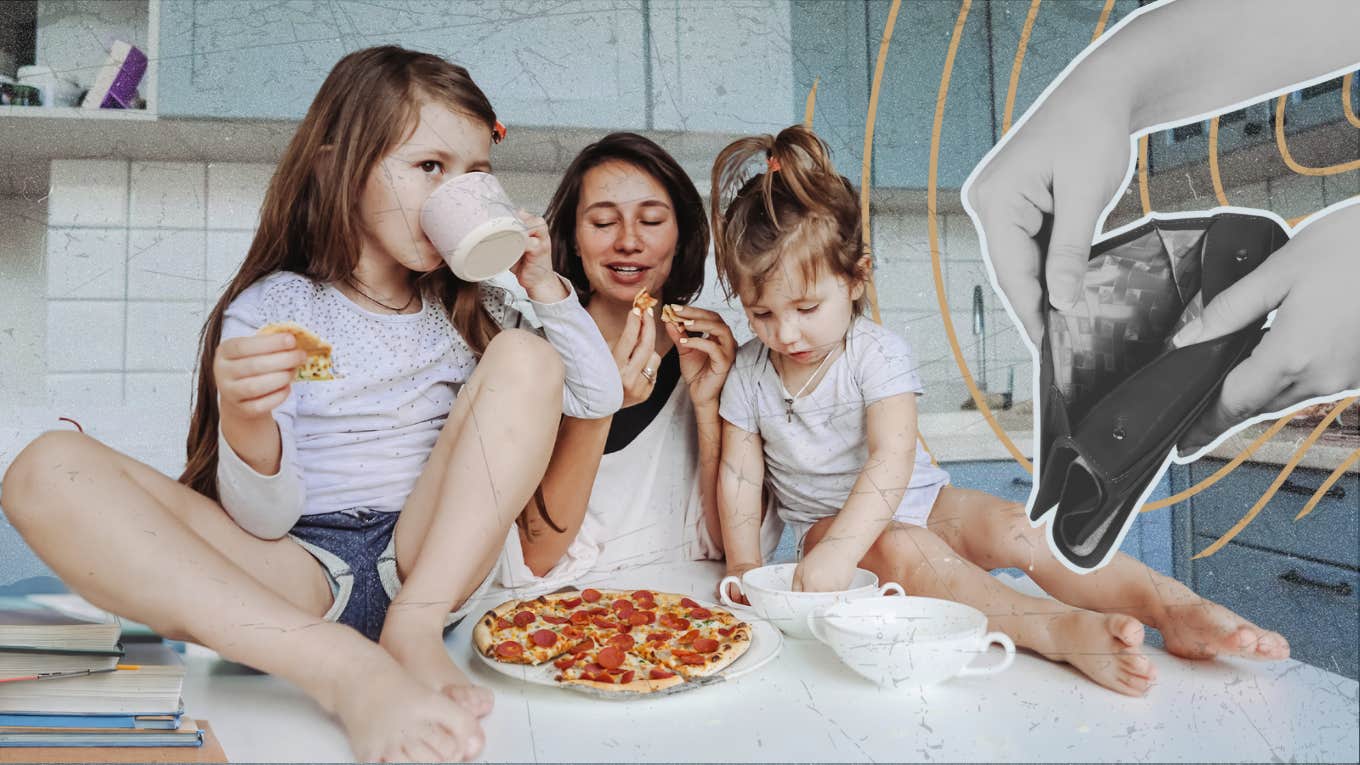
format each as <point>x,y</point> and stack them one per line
<point>309,222</point>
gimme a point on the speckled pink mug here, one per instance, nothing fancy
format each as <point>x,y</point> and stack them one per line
<point>473,224</point>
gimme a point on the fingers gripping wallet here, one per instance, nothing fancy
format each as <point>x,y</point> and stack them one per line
<point>1115,394</point>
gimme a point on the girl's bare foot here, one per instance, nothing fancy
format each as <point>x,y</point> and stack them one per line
<point>1197,628</point>
<point>420,649</point>
<point>1103,646</point>
<point>390,717</point>
<point>1203,629</point>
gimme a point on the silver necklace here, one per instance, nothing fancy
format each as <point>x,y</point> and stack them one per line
<point>412,299</point>
<point>788,401</point>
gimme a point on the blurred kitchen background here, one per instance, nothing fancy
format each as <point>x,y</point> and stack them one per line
<point>121,226</point>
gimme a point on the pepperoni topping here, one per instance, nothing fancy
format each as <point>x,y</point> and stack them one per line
<point>625,628</point>
<point>658,637</point>
<point>693,658</point>
<point>626,612</point>
<point>573,632</point>
<point>590,595</point>
<point>574,602</point>
<point>643,595</point>
<point>524,618</point>
<point>639,618</point>
<point>675,622</point>
<point>705,645</point>
<point>646,605</point>
<point>580,617</point>
<point>726,631</point>
<point>599,677</point>
<point>598,612</point>
<point>624,642</point>
<point>509,649</point>
<point>544,638</point>
<point>627,677</point>
<point>550,619</point>
<point>504,624</point>
<point>604,624</point>
<point>650,616</point>
<point>687,603</point>
<point>610,657</point>
<point>700,613</point>
<point>660,674</point>
<point>688,637</point>
<point>593,667</point>
<point>620,604</point>
<point>565,662</point>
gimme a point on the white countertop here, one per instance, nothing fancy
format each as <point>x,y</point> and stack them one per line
<point>806,706</point>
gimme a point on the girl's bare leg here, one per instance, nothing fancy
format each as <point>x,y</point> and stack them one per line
<point>995,533</point>
<point>1104,647</point>
<point>491,454</point>
<point>139,544</point>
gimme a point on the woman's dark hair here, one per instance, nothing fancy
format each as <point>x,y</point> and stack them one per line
<point>687,271</point>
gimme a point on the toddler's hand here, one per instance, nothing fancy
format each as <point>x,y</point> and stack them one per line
<point>737,569</point>
<point>255,373</point>
<point>826,572</point>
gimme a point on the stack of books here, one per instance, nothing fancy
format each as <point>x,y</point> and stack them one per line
<point>66,680</point>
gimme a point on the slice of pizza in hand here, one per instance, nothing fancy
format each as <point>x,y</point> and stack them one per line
<point>644,302</point>
<point>318,364</point>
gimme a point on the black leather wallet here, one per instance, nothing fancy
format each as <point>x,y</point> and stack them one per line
<point>1115,395</point>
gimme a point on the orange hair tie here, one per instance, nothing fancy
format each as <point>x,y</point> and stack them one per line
<point>498,132</point>
<point>772,164</point>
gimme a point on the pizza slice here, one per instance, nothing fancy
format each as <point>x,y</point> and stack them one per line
<point>615,666</point>
<point>644,302</point>
<point>523,632</point>
<point>318,364</point>
<point>668,315</point>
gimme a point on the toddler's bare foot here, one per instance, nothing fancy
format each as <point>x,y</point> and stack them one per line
<point>420,649</point>
<point>1104,647</point>
<point>390,717</point>
<point>1203,629</point>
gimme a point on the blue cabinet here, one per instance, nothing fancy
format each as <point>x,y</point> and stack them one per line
<point>1297,577</point>
<point>582,64</point>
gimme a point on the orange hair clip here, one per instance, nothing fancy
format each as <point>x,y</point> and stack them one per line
<point>498,132</point>
<point>772,164</point>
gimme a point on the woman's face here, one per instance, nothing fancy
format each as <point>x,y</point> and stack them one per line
<point>626,232</point>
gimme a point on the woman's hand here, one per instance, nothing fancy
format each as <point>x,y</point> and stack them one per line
<point>534,269</point>
<point>255,373</point>
<point>704,361</point>
<point>737,570</point>
<point>635,353</point>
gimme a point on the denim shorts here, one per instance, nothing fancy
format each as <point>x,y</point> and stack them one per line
<point>357,549</point>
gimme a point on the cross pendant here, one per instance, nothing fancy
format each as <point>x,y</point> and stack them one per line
<point>788,408</point>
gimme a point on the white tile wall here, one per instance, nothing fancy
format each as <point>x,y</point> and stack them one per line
<point>167,195</point>
<point>226,250</point>
<point>166,264</point>
<point>174,391</point>
<point>163,336</point>
<point>235,192</point>
<point>88,192</point>
<point>85,335</point>
<point>86,263</point>
<point>81,393</point>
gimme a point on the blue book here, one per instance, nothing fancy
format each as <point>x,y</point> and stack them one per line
<point>125,722</point>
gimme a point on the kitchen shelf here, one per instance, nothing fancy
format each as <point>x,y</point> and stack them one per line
<point>75,113</point>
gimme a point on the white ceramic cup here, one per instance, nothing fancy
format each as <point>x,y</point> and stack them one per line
<point>770,590</point>
<point>473,224</point>
<point>910,641</point>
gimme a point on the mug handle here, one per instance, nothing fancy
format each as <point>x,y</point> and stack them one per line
<point>891,588</point>
<point>722,591</point>
<point>1001,639</point>
<point>815,618</point>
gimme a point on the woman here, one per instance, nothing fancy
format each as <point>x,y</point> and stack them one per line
<point>638,488</point>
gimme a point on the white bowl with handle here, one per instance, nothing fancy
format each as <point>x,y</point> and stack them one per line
<point>770,591</point>
<point>909,641</point>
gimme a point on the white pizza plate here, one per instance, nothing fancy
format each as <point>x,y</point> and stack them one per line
<point>766,640</point>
